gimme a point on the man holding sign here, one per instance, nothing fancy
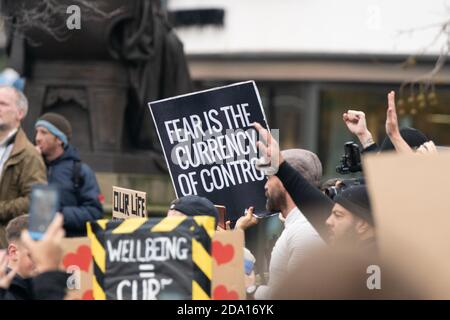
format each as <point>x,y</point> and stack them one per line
<point>210,145</point>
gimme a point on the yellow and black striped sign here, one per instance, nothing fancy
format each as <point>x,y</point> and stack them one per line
<point>143,259</point>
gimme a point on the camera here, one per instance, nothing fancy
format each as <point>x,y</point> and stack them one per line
<point>333,191</point>
<point>351,160</point>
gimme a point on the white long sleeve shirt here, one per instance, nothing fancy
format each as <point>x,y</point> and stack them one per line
<point>297,239</point>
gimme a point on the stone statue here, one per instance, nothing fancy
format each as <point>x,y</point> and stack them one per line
<point>100,76</point>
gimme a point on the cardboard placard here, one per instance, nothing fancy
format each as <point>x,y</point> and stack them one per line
<point>411,204</point>
<point>148,259</point>
<point>77,261</point>
<point>129,203</point>
<point>228,266</point>
<point>210,145</point>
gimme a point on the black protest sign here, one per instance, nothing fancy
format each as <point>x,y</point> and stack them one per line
<point>152,259</point>
<point>210,145</point>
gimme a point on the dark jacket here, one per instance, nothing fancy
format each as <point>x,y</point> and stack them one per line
<point>19,289</point>
<point>22,170</point>
<point>372,148</point>
<point>77,205</point>
<point>49,285</point>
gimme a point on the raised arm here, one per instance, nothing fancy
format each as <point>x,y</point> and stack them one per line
<point>315,206</point>
<point>392,128</point>
<point>356,124</point>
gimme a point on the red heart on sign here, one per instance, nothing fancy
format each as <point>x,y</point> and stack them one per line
<point>87,295</point>
<point>82,258</point>
<point>221,293</point>
<point>222,253</point>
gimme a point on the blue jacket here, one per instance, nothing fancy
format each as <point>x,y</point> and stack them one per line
<point>76,210</point>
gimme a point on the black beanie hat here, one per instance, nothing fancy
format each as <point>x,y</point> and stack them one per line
<point>195,206</point>
<point>356,200</point>
<point>413,137</point>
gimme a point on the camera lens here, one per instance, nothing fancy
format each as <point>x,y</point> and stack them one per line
<point>331,192</point>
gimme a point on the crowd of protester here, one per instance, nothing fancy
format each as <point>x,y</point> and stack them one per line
<point>305,257</point>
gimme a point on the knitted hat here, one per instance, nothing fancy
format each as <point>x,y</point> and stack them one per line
<point>413,137</point>
<point>57,125</point>
<point>356,200</point>
<point>305,162</point>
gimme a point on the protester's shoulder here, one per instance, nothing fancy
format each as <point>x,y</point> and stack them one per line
<point>20,289</point>
<point>87,173</point>
<point>27,147</point>
<point>86,169</point>
<point>301,230</point>
<point>30,153</point>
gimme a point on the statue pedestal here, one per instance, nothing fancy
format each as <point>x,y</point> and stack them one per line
<point>139,162</point>
<point>94,101</point>
<point>92,95</point>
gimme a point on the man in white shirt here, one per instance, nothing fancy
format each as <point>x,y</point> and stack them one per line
<point>298,237</point>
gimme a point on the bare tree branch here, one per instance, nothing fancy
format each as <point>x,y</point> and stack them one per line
<point>49,17</point>
<point>427,80</point>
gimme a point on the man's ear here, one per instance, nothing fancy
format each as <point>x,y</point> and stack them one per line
<point>12,251</point>
<point>362,226</point>
<point>20,114</point>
